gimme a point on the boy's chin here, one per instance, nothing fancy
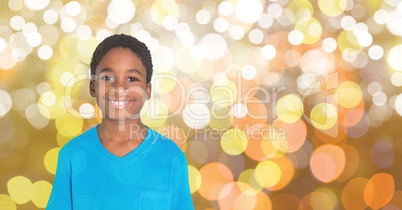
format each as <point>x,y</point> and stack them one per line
<point>123,117</point>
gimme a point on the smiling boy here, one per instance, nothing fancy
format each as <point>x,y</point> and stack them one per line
<point>121,163</point>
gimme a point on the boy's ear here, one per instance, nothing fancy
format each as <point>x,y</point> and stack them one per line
<point>92,87</point>
<point>148,90</point>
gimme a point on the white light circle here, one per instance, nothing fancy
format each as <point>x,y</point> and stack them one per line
<point>45,52</point>
<point>248,11</point>
<point>376,52</point>
<point>396,79</point>
<point>215,46</point>
<point>394,57</point>
<point>226,8</point>
<point>329,44</point>
<point>121,11</point>
<point>268,52</point>
<point>73,8</point>
<point>221,25</point>
<point>398,104</point>
<point>36,5</point>
<point>256,36</point>
<point>239,110</point>
<point>196,116</point>
<point>379,98</point>
<point>87,110</point>
<point>17,22</point>
<point>248,72</point>
<point>5,103</point>
<point>236,32</point>
<point>203,16</point>
<point>50,16</point>
<point>295,37</point>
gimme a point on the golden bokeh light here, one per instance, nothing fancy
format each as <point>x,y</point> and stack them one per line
<point>291,104</point>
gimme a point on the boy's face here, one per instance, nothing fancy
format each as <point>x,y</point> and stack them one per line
<point>120,86</point>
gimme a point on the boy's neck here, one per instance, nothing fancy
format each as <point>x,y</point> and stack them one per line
<point>119,131</point>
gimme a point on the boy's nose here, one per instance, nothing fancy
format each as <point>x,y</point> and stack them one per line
<point>118,89</point>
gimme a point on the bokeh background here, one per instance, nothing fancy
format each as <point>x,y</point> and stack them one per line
<point>277,104</point>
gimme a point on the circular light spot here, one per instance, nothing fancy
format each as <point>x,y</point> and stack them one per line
<point>154,113</point>
<point>352,194</point>
<point>256,36</point>
<point>20,189</point>
<point>266,21</point>
<point>50,16</point>
<point>73,8</point>
<point>196,116</point>
<point>36,5</point>
<point>226,8</point>
<point>195,178</point>
<point>170,22</point>
<point>87,110</point>
<point>5,103</point>
<point>41,193</point>
<point>3,44</point>
<point>68,25</point>
<point>37,115</point>
<point>248,72</point>
<point>327,162</point>
<point>45,52</point>
<point>268,173</point>
<point>236,32</point>
<point>398,104</point>
<point>84,32</point>
<point>50,160</point>
<point>69,124</point>
<point>7,203</point>
<point>234,141</point>
<point>248,11</point>
<point>289,108</point>
<point>268,52</point>
<point>379,98</point>
<point>348,23</point>
<point>17,22</point>
<point>221,25</point>
<point>310,28</point>
<point>214,177</point>
<point>329,45</point>
<point>349,94</point>
<point>121,11</point>
<point>15,6</point>
<point>274,10</point>
<point>374,87</point>
<point>34,39</point>
<point>203,16</point>
<point>381,16</point>
<point>394,57</point>
<point>323,116</point>
<point>215,46</point>
<point>379,190</point>
<point>239,110</point>
<point>376,52</point>
<point>396,79</point>
<point>332,8</point>
<point>295,37</point>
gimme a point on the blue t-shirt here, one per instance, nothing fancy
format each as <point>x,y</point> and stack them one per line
<point>152,176</point>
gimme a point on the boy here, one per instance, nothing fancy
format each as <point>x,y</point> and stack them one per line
<point>121,163</point>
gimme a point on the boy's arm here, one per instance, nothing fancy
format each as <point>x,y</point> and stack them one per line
<point>60,198</point>
<point>181,197</point>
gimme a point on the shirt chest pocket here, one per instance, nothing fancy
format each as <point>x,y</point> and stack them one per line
<point>155,199</point>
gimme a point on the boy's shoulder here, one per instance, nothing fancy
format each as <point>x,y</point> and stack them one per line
<point>162,142</point>
<point>80,140</point>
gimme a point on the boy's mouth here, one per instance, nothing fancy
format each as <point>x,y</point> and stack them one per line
<point>119,104</point>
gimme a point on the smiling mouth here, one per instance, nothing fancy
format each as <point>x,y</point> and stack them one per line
<point>119,104</point>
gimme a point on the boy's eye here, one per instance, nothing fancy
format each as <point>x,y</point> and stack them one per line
<point>132,79</point>
<point>107,78</point>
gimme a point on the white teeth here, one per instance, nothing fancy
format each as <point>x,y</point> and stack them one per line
<point>119,103</point>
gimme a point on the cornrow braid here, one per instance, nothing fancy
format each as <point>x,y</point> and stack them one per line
<point>122,40</point>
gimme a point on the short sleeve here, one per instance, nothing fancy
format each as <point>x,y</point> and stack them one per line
<point>181,197</point>
<point>60,198</point>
